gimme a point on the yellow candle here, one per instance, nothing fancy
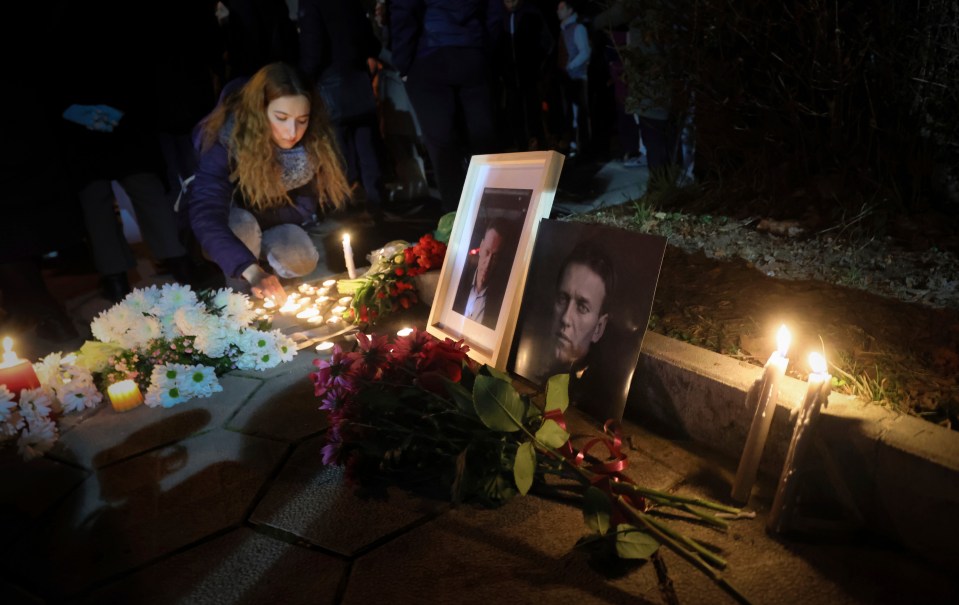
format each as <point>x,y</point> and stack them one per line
<point>124,395</point>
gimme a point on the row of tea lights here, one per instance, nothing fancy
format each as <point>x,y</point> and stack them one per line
<point>307,303</point>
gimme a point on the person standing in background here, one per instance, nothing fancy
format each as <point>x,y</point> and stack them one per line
<point>443,48</point>
<point>573,59</point>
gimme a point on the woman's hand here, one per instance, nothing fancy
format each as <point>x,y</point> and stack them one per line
<point>264,285</point>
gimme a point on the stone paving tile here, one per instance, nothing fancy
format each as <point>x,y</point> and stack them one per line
<point>139,509</point>
<point>521,552</point>
<point>109,436</point>
<point>239,567</point>
<point>808,569</point>
<point>315,503</point>
<point>30,490</point>
<point>285,406</point>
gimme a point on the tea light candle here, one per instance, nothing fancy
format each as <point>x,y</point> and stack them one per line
<point>315,319</point>
<point>329,283</point>
<point>345,300</point>
<point>338,309</point>
<point>326,345</point>
<point>348,256</point>
<point>308,313</point>
<point>124,395</point>
<point>269,303</point>
<point>404,332</point>
<point>17,374</point>
<point>322,299</point>
<point>290,308</point>
<point>762,419</point>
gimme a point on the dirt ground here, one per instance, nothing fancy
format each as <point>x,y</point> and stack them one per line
<point>900,354</point>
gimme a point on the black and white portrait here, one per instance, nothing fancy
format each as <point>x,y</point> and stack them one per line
<point>588,297</point>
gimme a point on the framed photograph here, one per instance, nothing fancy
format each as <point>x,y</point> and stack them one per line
<point>481,283</point>
<point>586,306</point>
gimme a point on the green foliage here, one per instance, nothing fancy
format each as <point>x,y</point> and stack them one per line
<point>524,468</point>
<point>557,393</point>
<point>597,510</point>
<point>498,404</point>
<point>551,434</point>
<point>633,543</point>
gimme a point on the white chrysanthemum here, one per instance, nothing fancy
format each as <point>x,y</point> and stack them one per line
<point>7,404</point>
<point>142,331</point>
<point>215,341</point>
<point>257,350</point>
<point>37,439</point>
<point>36,404</point>
<point>143,300</point>
<point>234,307</point>
<point>48,370</point>
<point>166,385</point>
<point>285,347</point>
<point>78,395</point>
<point>172,297</point>
<point>200,381</point>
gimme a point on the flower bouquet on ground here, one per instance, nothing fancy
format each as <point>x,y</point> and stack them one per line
<point>389,286</point>
<point>175,342</point>
<point>418,410</point>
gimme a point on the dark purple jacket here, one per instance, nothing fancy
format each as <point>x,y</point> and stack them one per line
<point>211,195</point>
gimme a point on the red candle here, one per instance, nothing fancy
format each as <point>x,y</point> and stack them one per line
<point>17,374</point>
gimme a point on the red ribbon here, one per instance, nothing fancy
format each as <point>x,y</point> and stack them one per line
<point>606,472</point>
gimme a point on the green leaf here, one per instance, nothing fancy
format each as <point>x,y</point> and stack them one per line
<point>524,467</point>
<point>551,434</point>
<point>631,543</point>
<point>461,397</point>
<point>557,392</point>
<point>498,404</point>
<point>500,374</point>
<point>596,510</point>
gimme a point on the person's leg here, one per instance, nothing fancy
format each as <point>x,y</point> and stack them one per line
<point>154,214</point>
<point>433,99</point>
<point>290,250</point>
<point>369,154</point>
<point>111,254</point>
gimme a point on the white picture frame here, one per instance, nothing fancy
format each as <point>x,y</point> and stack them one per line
<point>511,189</point>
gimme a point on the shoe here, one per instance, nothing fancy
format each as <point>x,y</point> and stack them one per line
<point>115,287</point>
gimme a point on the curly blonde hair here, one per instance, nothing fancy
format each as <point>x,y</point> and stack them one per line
<point>254,156</point>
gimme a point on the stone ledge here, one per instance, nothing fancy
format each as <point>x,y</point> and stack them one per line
<point>900,472</point>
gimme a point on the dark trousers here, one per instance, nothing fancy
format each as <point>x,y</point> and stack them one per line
<point>661,140</point>
<point>450,91</point>
<point>576,107</point>
<point>363,150</point>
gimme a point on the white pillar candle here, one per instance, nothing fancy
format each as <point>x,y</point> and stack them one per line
<point>348,256</point>
<point>817,394</point>
<point>762,418</point>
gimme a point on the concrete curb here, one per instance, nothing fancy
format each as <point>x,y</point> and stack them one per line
<point>892,474</point>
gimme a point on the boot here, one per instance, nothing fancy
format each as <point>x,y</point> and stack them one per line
<point>115,286</point>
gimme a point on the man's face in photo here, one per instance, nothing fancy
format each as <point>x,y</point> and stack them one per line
<point>578,318</point>
<point>488,255</point>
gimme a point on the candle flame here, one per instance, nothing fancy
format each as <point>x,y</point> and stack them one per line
<point>9,355</point>
<point>783,340</point>
<point>7,344</point>
<point>329,283</point>
<point>817,362</point>
<point>405,332</point>
<point>346,238</point>
<point>325,345</point>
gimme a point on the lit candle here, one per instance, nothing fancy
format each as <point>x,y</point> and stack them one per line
<point>17,374</point>
<point>405,332</point>
<point>290,308</point>
<point>338,309</point>
<point>326,345</point>
<point>124,395</point>
<point>329,283</point>
<point>345,300</point>
<point>348,256</point>
<point>762,418</point>
<point>315,319</point>
<point>817,394</point>
<point>308,313</point>
<point>269,303</point>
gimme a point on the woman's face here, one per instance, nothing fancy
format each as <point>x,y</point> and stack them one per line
<point>289,116</point>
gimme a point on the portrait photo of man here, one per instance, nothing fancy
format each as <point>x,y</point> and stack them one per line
<point>480,293</point>
<point>585,308</point>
